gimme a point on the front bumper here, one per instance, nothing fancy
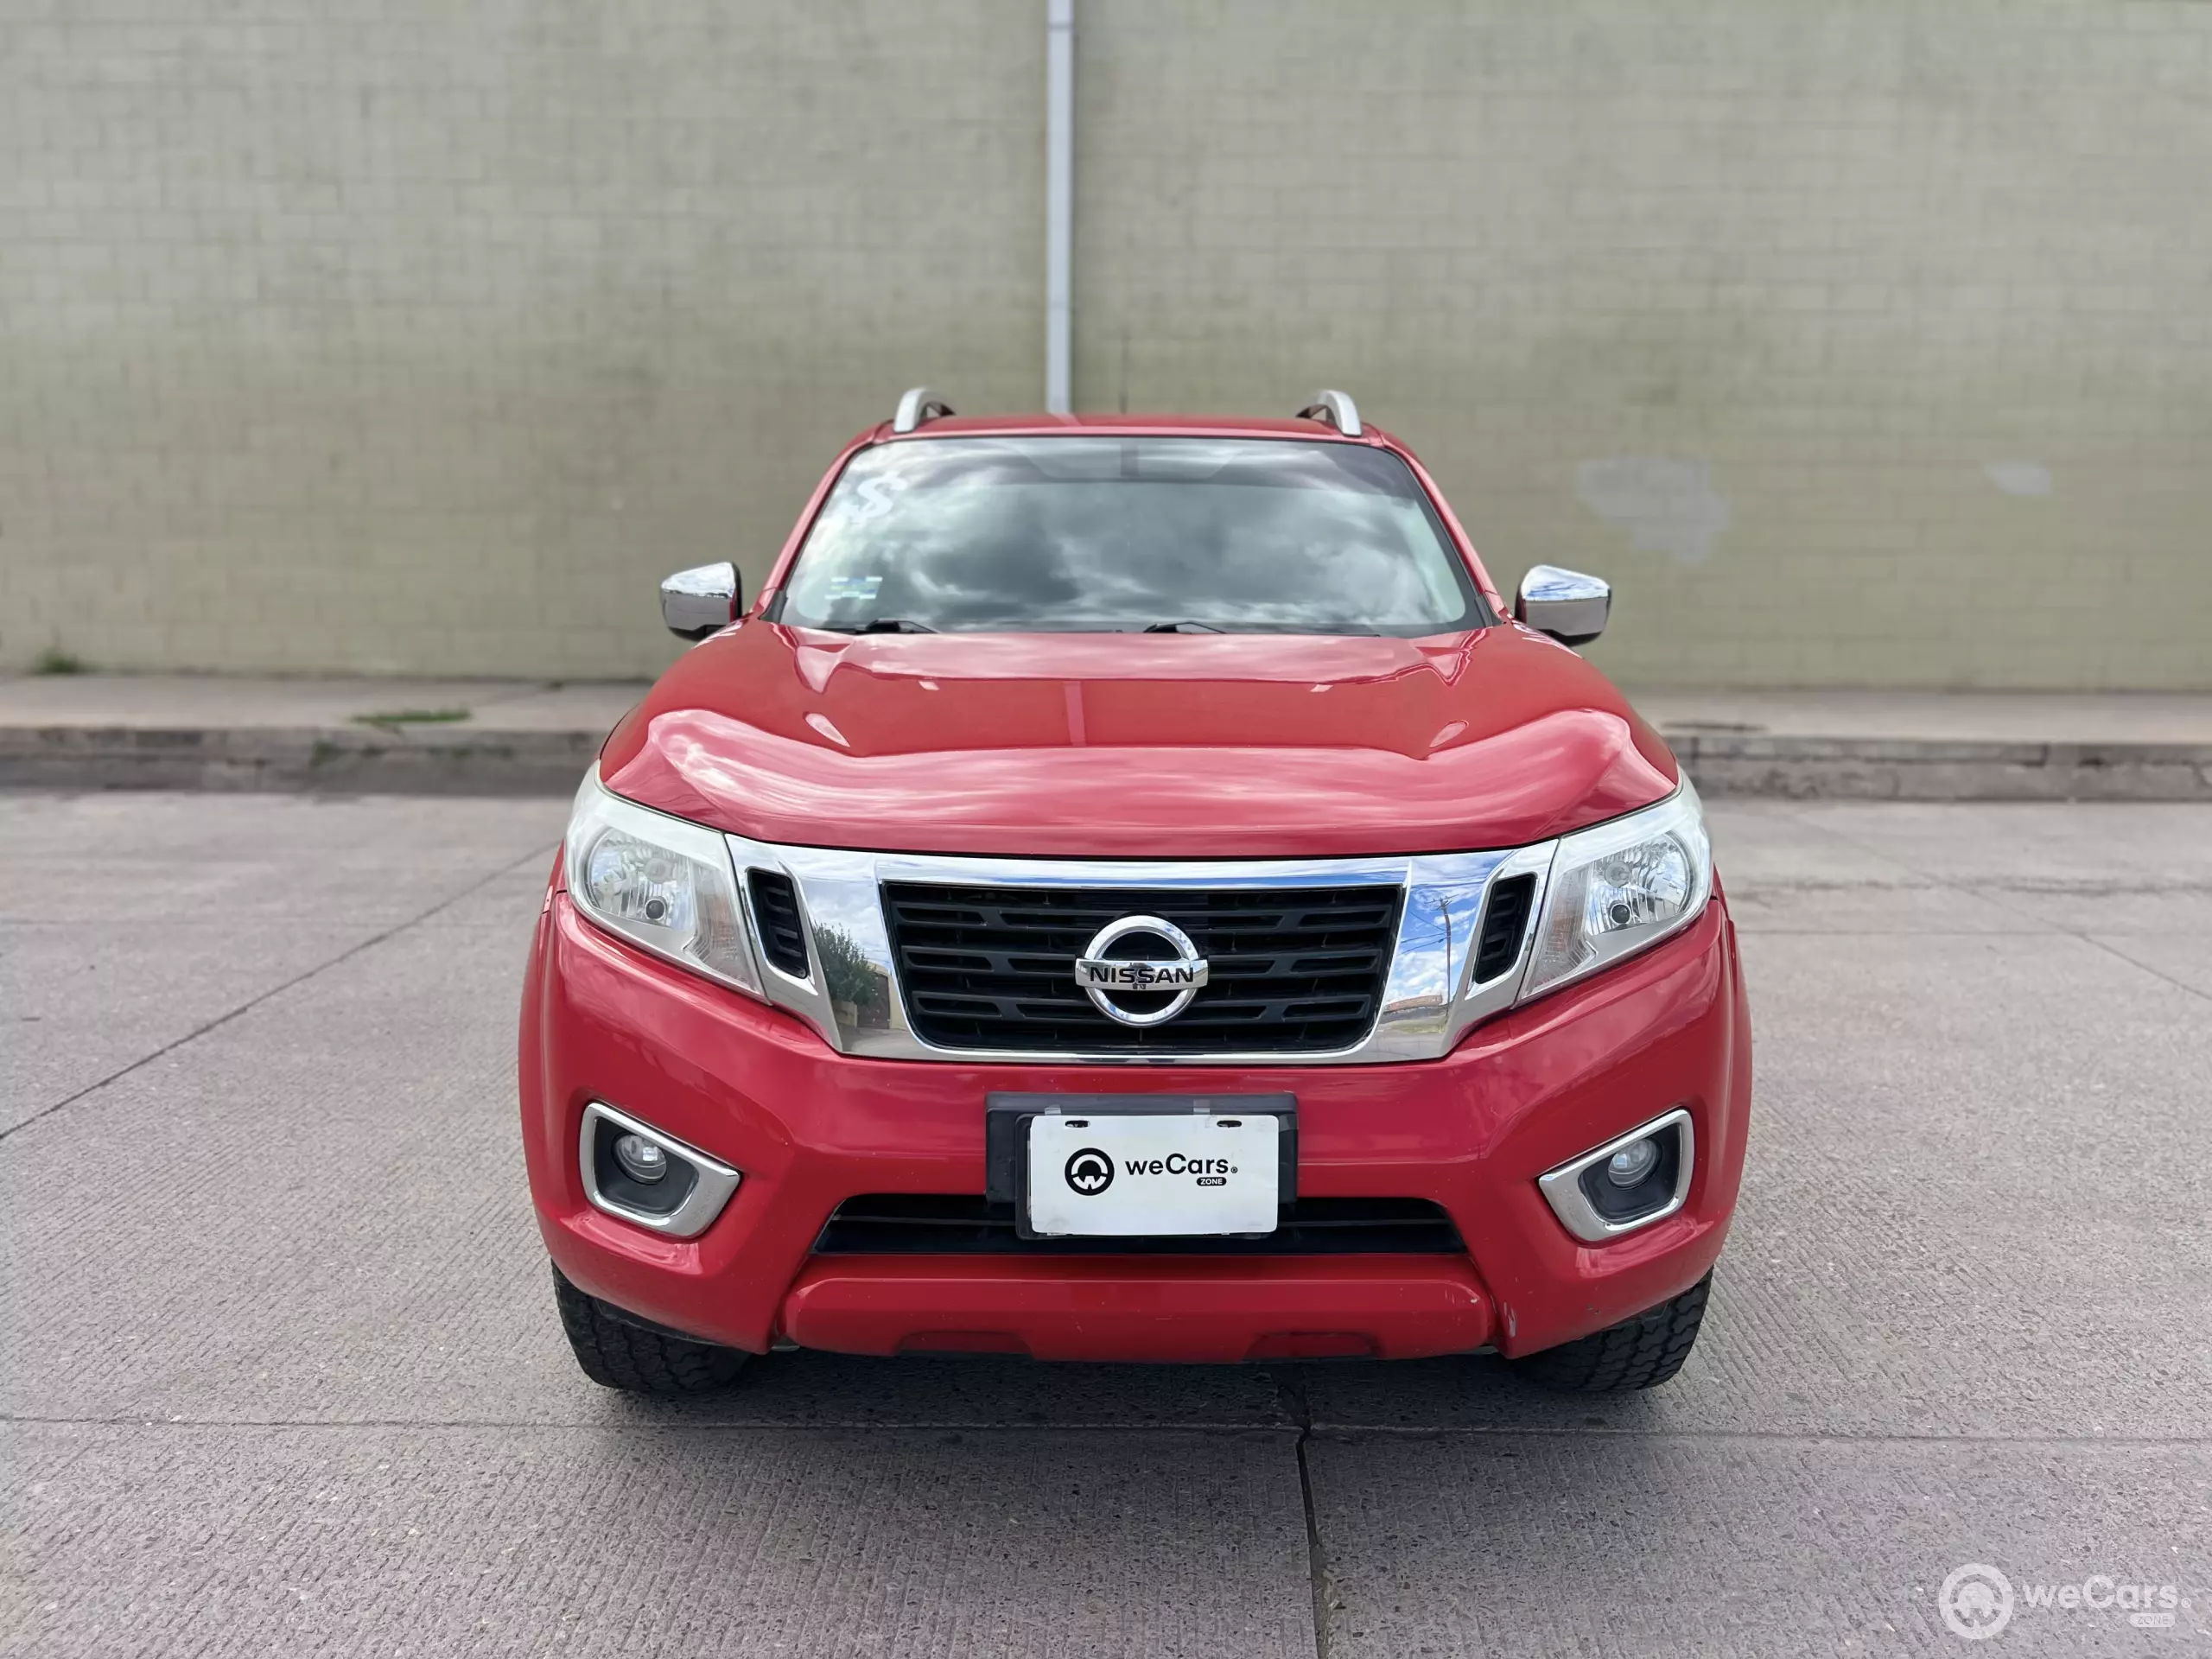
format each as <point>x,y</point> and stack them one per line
<point>811,1127</point>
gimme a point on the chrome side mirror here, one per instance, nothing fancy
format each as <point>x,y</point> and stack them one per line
<point>701,601</point>
<point>1566,604</point>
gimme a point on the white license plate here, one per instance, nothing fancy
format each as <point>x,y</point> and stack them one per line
<point>1165,1172</point>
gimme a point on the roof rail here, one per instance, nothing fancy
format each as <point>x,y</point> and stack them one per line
<point>920,404</point>
<point>1336,409</point>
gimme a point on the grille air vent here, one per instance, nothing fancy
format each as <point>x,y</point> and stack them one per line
<point>1505,919</point>
<point>775,907</point>
<point>901,1223</point>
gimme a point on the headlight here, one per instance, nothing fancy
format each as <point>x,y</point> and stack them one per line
<point>660,882</point>
<point>1620,886</point>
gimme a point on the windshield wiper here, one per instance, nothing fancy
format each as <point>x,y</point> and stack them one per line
<point>1361,628</point>
<point>881,625</point>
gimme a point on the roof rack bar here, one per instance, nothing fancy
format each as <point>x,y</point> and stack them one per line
<point>920,404</point>
<point>1336,409</point>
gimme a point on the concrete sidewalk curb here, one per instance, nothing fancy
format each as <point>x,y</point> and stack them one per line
<point>1942,769</point>
<point>340,759</point>
<point>468,760</point>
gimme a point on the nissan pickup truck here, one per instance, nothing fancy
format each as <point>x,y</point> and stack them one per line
<point>1130,887</point>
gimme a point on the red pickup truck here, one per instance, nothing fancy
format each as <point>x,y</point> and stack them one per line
<point>1130,888</point>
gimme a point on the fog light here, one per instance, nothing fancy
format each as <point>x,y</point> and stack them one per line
<point>647,1176</point>
<point>1625,1168</point>
<point>642,1160</point>
<point>1631,1181</point>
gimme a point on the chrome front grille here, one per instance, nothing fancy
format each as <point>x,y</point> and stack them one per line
<point>1315,961</point>
<point>1294,970</point>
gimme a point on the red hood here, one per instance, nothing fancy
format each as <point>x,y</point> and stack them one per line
<point>1170,746</point>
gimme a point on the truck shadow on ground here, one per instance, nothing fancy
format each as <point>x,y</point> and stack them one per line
<point>1472,1393</point>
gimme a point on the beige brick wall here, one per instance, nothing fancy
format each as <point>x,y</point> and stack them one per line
<point>1864,343</point>
<point>425,335</point>
<point>1860,344</point>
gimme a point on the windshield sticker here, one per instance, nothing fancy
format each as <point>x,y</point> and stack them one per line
<point>842,588</point>
<point>879,495</point>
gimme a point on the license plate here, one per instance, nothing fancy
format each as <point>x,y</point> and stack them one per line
<point>1185,1173</point>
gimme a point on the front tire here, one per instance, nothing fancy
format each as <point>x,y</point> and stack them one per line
<point>1638,1353</point>
<point>616,1353</point>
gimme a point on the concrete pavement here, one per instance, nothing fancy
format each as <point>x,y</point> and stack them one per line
<point>521,737</point>
<point>283,1377</point>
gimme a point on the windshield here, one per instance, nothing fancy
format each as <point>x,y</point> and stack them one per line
<point>1121,534</point>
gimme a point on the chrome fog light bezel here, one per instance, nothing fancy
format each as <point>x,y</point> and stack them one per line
<point>713,1181</point>
<point>1562,1187</point>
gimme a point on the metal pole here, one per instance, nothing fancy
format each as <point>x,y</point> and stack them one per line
<point>1060,196</point>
